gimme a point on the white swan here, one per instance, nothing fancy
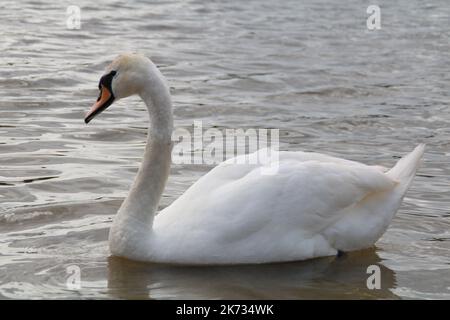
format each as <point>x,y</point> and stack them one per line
<point>315,205</point>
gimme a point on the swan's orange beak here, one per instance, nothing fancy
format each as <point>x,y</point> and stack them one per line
<point>105,99</point>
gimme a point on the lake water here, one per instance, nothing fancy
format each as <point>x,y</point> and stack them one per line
<point>309,68</point>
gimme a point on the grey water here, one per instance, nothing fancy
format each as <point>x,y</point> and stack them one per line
<point>311,69</point>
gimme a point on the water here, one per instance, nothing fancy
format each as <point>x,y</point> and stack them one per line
<point>311,69</point>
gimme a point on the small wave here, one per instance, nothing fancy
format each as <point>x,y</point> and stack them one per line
<point>15,217</point>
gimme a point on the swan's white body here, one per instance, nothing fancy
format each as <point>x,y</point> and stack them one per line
<point>314,205</point>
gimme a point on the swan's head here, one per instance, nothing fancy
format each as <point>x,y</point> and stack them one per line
<point>124,77</point>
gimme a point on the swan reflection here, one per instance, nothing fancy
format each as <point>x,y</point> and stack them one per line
<point>324,278</point>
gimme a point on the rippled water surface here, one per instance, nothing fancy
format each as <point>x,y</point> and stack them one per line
<point>309,68</point>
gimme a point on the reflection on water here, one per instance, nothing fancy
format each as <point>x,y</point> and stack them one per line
<point>310,68</point>
<point>345,277</point>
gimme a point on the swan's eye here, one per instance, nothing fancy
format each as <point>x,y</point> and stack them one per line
<point>106,80</point>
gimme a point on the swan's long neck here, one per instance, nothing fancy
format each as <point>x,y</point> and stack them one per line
<point>142,202</point>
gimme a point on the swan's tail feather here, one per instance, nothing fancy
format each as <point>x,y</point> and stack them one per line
<point>405,169</point>
<point>355,232</point>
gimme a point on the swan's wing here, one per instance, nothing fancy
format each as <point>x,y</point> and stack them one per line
<point>310,194</point>
<point>234,202</point>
